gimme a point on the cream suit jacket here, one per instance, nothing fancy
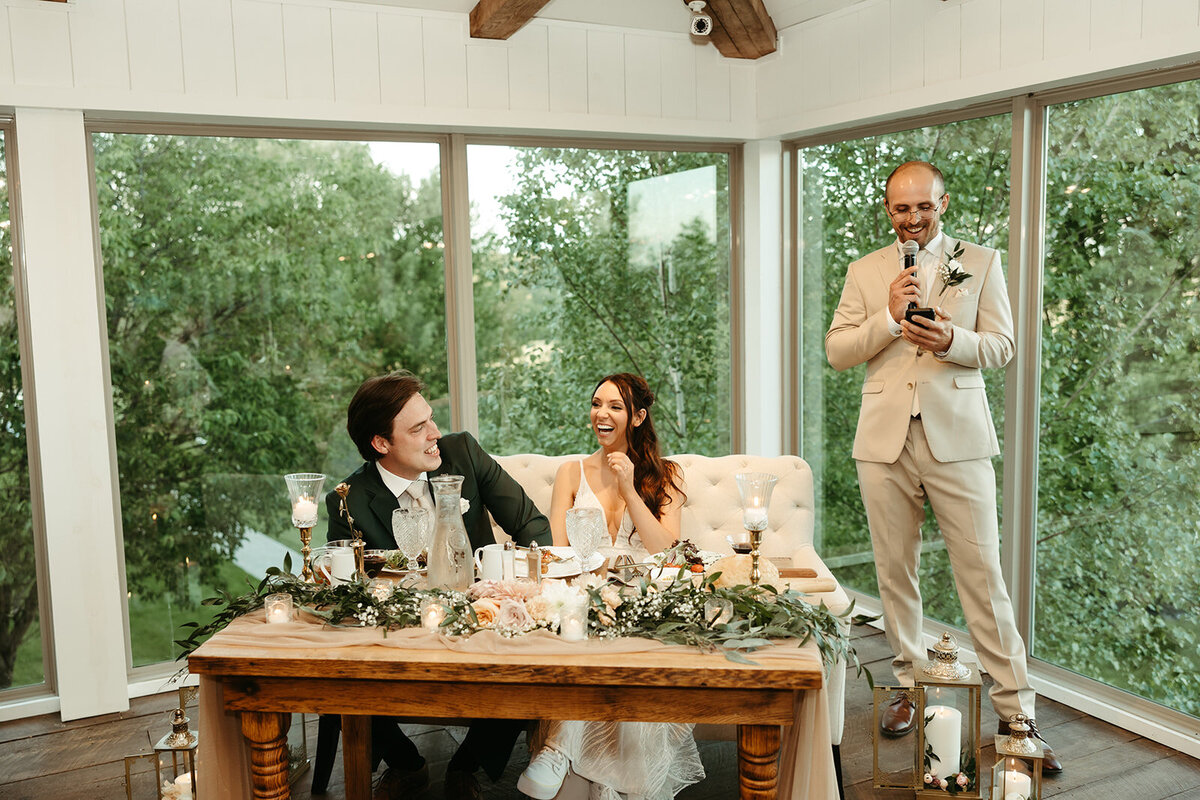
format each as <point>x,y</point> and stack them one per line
<point>953,403</point>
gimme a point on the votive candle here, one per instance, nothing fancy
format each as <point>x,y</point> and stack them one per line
<point>432,616</point>
<point>279,608</point>
<point>570,628</point>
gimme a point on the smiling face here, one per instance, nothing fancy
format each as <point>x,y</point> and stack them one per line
<point>916,200</point>
<point>610,417</point>
<point>413,445</point>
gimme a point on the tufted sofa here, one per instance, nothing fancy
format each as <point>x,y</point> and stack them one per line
<point>713,510</point>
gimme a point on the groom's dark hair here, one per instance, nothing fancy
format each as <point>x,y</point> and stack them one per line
<point>374,406</point>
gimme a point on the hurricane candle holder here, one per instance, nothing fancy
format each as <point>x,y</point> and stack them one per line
<point>304,490</point>
<point>755,489</point>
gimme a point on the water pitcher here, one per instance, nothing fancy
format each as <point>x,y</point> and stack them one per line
<point>450,563</point>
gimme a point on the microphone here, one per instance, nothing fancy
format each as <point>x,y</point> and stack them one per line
<point>910,249</point>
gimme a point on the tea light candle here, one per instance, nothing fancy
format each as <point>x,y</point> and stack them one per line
<point>184,784</point>
<point>279,608</point>
<point>304,513</point>
<point>432,616</point>
<point>943,734</point>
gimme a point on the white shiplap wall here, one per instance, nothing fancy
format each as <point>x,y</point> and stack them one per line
<point>884,59</point>
<point>327,61</point>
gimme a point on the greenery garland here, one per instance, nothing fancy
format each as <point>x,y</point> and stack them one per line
<point>688,610</point>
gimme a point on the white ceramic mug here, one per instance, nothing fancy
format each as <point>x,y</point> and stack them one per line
<point>335,563</point>
<point>489,561</point>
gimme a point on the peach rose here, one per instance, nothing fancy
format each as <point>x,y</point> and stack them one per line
<point>486,610</point>
<point>513,614</point>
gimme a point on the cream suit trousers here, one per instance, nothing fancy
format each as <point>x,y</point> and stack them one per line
<point>963,497</point>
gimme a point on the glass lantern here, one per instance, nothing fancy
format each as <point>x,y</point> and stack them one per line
<point>1017,774</point>
<point>949,733</point>
<point>942,759</point>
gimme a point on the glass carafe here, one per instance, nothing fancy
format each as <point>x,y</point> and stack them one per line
<point>450,563</point>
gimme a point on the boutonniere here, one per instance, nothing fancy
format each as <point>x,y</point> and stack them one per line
<point>951,269</point>
<point>464,505</point>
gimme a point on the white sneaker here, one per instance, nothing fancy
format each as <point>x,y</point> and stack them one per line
<point>545,774</point>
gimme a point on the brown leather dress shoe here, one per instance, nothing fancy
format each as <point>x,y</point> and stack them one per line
<point>899,718</point>
<point>462,785</point>
<point>397,784</point>
<point>1051,766</point>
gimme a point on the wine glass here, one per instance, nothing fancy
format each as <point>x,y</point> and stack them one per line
<point>585,526</point>
<point>410,527</point>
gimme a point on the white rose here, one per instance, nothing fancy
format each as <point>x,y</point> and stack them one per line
<point>464,505</point>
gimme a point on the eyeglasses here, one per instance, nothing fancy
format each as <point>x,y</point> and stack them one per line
<point>923,211</point>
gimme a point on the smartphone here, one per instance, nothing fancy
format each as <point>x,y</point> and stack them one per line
<point>927,313</point>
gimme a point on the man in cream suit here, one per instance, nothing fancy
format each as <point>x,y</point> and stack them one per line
<point>925,431</point>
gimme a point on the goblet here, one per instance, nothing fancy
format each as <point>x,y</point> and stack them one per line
<point>755,489</point>
<point>585,526</point>
<point>410,527</point>
<point>304,488</point>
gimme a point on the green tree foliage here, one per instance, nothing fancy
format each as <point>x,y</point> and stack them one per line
<point>250,285</point>
<point>18,589</point>
<point>569,303</point>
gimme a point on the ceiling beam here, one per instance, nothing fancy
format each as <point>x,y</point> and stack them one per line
<point>741,28</point>
<point>500,19</point>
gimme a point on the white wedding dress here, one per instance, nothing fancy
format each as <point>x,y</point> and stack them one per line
<point>629,760</point>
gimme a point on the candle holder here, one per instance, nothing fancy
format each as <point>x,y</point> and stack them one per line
<point>755,489</point>
<point>304,490</point>
<point>943,757</point>
<point>432,615</point>
<point>1017,773</point>
<point>278,608</point>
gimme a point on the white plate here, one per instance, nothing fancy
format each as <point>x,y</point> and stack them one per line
<point>561,569</point>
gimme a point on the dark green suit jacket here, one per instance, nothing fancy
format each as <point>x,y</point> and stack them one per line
<point>485,485</point>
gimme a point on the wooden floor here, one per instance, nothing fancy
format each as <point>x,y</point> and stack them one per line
<point>41,757</point>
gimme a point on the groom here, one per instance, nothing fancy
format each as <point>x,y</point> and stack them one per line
<point>925,431</point>
<point>392,426</point>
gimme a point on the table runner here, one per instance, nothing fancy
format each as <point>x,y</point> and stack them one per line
<point>223,770</point>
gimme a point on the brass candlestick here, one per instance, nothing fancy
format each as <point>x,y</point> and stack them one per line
<point>755,541</point>
<point>306,552</point>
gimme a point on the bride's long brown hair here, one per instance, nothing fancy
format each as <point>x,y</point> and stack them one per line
<point>653,475</point>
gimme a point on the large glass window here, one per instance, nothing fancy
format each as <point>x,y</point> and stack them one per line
<point>250,285</point>
<point>1116,581</point>
<point>20,632</point>
<point>841,218</point>
<point>590,262</point>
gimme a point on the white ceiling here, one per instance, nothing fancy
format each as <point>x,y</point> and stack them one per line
<point>656,15</point>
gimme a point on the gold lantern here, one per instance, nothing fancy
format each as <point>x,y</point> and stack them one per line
<point>942,759</point>
<point>1017,774</point>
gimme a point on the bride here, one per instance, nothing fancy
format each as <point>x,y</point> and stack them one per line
<point>640,495</point>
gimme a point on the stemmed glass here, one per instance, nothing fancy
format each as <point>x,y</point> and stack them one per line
<point>410,527</point>
<point>304,489</point>
<point>585,526</point>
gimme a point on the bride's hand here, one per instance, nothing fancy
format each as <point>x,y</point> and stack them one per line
<point>622,467</point>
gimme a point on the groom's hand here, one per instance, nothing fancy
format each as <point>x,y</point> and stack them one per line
<point>934,335</point>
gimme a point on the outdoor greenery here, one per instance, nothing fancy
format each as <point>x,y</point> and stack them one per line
<point>571,291</point>
<point>1116,584</point>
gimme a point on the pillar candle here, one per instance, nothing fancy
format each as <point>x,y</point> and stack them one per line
<point>943,734</point>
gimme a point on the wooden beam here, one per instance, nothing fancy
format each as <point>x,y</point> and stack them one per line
<point>500,19</point>
<point>741,28</point>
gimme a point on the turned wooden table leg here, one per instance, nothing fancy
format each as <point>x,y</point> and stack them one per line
<point>266,732</point>
<point>758,761</point>
<point>356,755</point>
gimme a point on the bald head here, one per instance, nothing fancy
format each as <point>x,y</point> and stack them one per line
<point>939,181</point>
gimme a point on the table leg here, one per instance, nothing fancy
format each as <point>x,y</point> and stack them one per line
<point>356,755</point>
<point>758,761</point>
<point>266,732</point>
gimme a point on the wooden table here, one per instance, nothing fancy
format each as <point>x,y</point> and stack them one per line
<point>267,684</point>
